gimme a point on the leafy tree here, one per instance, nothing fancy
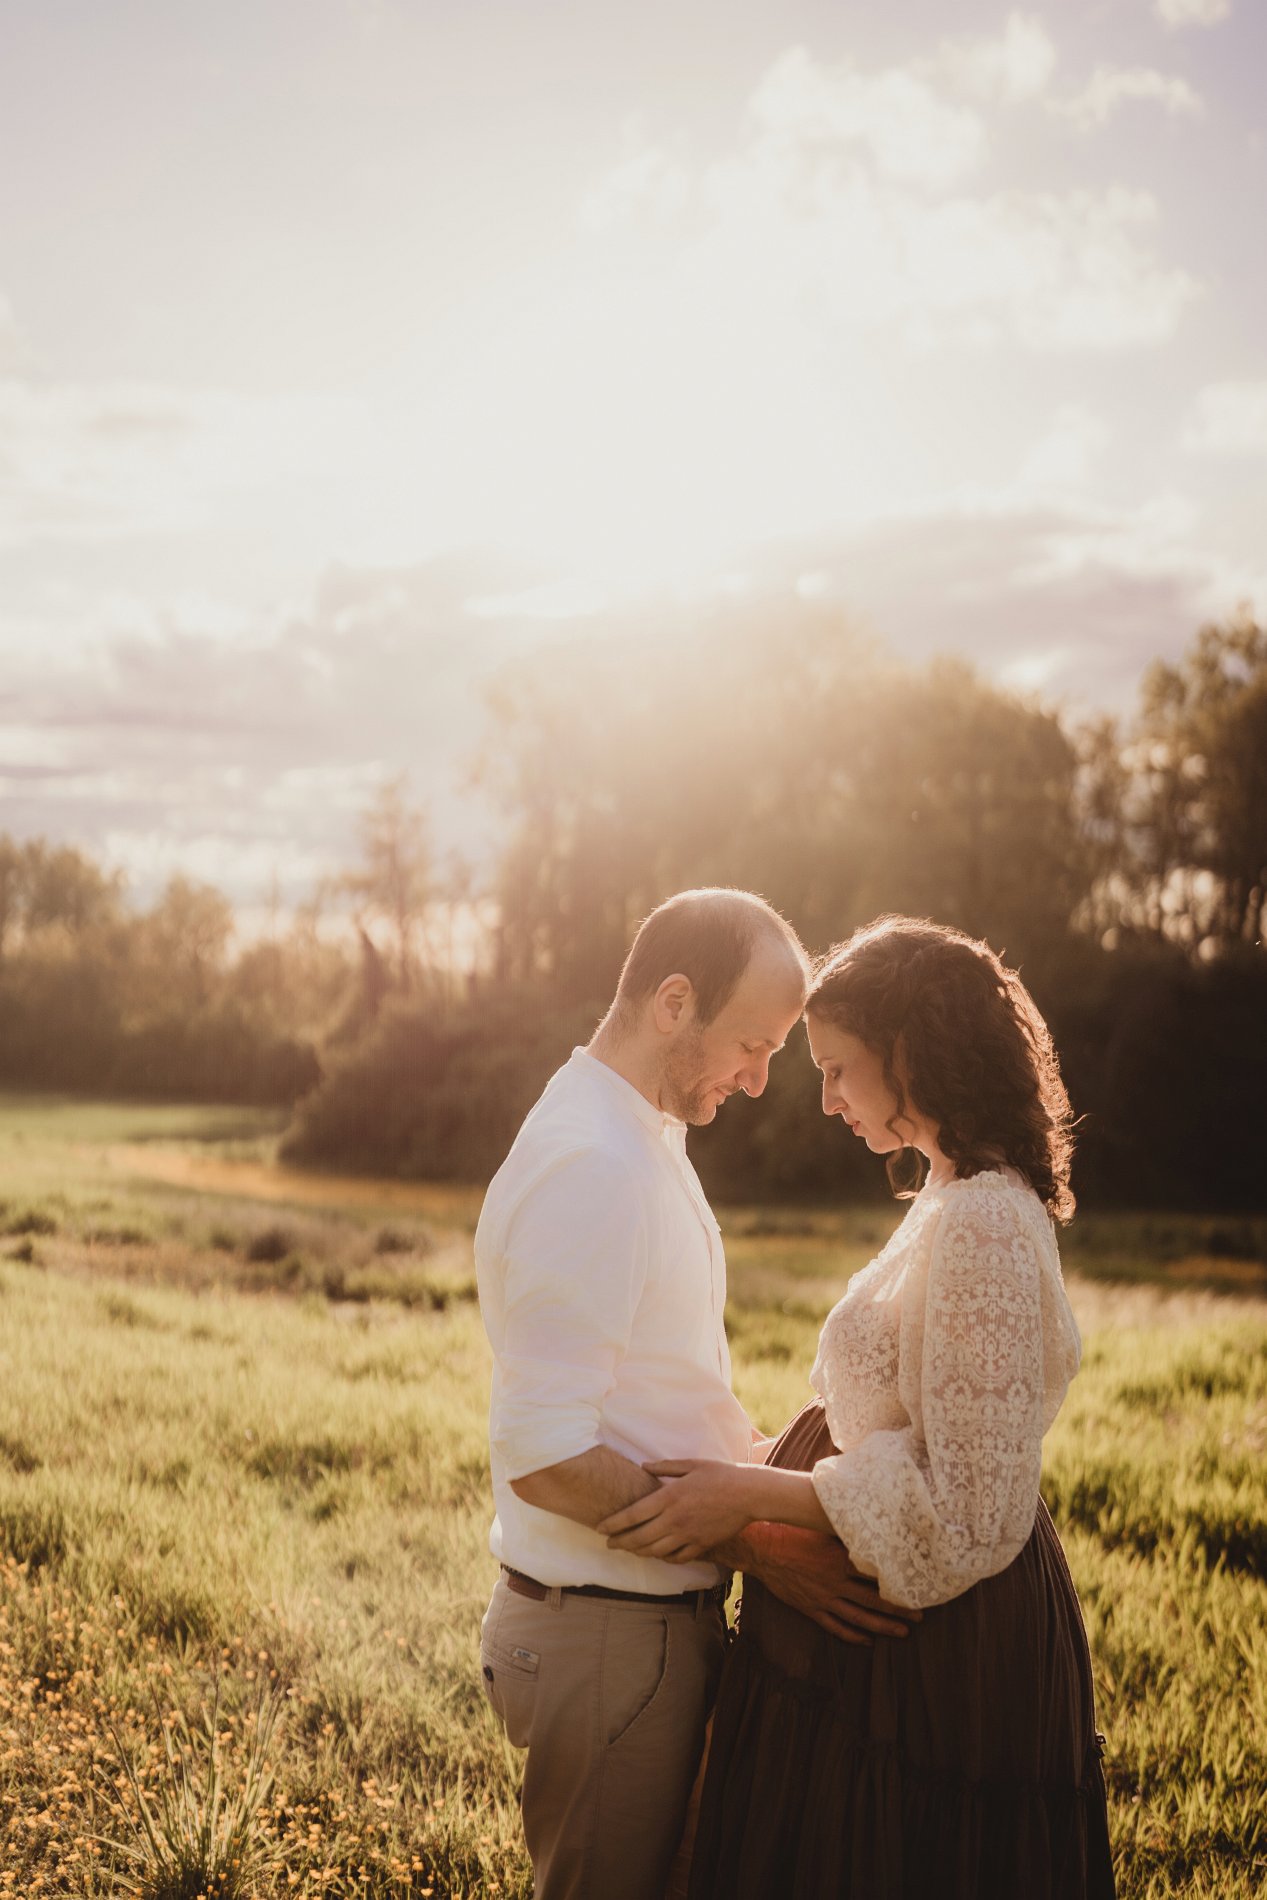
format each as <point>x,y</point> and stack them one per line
<point>1101,797</point>
<point>792,760</point>
<point>965,797</point>
<point>14,862</point>
<point>296,979</point>
<point>1192,794</point>
<point>182,943</point>
<point>393,882</point>
<point>65,890</point>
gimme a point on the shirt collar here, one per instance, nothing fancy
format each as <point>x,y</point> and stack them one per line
<point>626,1096</point>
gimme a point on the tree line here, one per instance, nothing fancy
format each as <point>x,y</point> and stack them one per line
<point>98,996</point>
<point>1121,863</point>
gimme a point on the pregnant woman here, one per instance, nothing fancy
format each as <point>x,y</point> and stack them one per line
<point>963,1762</point>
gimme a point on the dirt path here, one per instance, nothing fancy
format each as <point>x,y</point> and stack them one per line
<point>262,1181</point>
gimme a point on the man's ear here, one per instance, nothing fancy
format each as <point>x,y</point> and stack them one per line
<point>672,1003</point>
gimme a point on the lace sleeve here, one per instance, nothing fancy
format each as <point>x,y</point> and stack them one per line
<point>932,1508</point>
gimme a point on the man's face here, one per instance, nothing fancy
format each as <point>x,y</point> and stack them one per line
<point>705,1064</point>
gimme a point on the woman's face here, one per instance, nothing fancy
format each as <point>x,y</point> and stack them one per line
<point>855,1089</point>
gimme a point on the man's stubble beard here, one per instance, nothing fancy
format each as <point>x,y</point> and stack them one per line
<point>683,1090</point>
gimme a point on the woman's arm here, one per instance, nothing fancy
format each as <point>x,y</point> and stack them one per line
<point>709,1502</point>
<point>931,1508</point>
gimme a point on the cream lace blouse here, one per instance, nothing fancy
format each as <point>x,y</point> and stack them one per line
<point>940,1370</point>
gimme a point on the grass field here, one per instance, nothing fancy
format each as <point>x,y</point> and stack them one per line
<point>244,1503</point>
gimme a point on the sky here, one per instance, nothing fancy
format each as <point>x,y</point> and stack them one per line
<point>351,349</point>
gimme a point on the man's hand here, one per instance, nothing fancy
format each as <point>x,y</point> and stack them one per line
<point>813,1574</point>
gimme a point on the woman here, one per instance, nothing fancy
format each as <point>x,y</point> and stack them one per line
<point>962,1762</point>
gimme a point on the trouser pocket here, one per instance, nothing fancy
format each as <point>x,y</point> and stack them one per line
<point>510,1670</point>
<point>635,1663</point>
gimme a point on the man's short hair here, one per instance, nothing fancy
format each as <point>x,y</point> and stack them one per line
<point>708,936</point>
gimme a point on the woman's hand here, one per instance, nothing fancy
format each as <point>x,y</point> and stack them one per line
<point>702,1503</point>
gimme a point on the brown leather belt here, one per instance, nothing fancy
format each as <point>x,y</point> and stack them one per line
<point>687,1599</point>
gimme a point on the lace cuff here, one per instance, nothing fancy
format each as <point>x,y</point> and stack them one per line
<point>880,1506</point>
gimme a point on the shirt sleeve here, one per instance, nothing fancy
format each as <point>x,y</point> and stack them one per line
<point>931,1509</point>
<point>575,1266</point>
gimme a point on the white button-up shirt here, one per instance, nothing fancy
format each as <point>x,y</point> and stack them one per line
<point>602,1284</point>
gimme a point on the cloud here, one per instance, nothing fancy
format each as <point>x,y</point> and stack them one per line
<point>1229,419</point>
<point>551,600</point>
<point>1050,271</point>
<point>238,753</point>
<point>1177,13</point>
<point>1064,457</point>
<point>845,197</point>
<point>1111,87</point>
<point>1013,67</point>
<point>91,462</point>
<point>648,178</point>
<point>1062,596</point>
<point>11,346</point>
<point>94,462</point>
<point>249,867</point>
<point>894,118</point>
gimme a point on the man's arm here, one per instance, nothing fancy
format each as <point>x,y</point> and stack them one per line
<point>586,1488</point>
<point>572,1273</point>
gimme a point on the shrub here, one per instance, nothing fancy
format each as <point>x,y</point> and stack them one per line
<point>270,1246</point>
<point>430,1096</point>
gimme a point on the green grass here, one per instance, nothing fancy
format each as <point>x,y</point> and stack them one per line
<point>228,1483</point>
<point>43,1121</point>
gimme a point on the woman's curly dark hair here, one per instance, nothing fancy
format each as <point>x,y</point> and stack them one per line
<point>961,1038</point>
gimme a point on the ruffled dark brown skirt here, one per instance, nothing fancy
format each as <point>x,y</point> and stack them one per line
<point>960,1762</point>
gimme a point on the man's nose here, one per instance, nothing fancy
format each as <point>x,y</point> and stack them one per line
<point>754,1076</point>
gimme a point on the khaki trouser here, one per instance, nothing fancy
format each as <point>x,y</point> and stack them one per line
<point>610,1700</point>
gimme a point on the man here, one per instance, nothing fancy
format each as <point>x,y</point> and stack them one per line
<point>602,1285</point>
